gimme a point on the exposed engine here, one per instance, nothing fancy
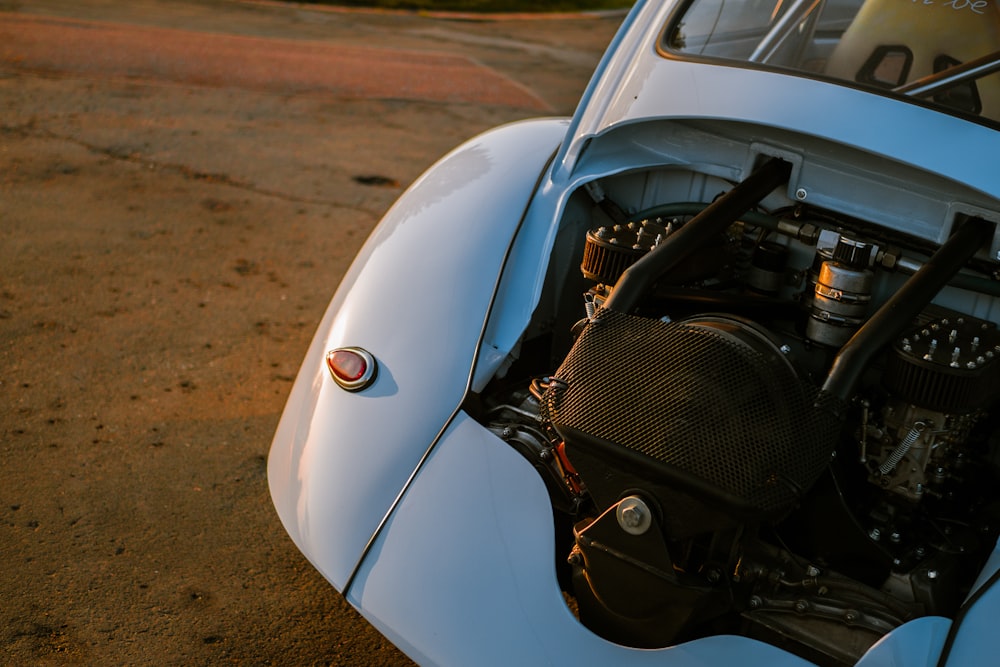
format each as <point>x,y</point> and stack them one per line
<point>766,424</point>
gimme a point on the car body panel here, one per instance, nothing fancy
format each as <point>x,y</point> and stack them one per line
<point>331,490</point>
<point>642,84</point>
<point>976,636</point>
<point>916,644</point>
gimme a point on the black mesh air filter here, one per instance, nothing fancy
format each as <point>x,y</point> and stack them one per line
<point>708,404</point>
<point>947,365</point>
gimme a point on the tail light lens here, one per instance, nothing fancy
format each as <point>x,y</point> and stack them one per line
<point>351,367</point>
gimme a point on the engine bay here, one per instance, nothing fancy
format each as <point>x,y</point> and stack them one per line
<point>756,416</point>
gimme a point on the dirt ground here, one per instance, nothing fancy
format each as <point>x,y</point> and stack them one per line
<point>171,228</point>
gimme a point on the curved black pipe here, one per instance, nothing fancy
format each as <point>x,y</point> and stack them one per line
<point>898,312</point>
<point>721,213</point>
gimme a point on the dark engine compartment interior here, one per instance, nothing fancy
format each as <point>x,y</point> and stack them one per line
<point>780,424</point>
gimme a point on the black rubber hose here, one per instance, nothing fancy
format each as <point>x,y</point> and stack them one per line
<point>721,213</point>
<point>898,312</point>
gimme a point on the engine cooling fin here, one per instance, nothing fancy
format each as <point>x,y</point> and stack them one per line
<point>709,405</point>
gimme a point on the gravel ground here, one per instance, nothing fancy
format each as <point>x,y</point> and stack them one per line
<point>168,243</point>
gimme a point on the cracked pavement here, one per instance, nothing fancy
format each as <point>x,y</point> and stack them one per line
<point>168,242</point>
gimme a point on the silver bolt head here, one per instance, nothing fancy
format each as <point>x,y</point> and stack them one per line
<point>634,515</point>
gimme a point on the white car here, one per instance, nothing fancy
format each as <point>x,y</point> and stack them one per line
<point>706,375</point>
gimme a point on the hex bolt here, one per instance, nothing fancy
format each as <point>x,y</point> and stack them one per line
<point>631,517</point>
<point>634,515</point>
<point>802,193</point>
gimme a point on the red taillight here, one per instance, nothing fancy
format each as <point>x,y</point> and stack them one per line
<point>351,367</point>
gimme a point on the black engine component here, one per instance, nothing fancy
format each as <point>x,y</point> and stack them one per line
<point>740,448</point>
<point>611,250</point>
<point>946,364</point>
<point>708,405</point>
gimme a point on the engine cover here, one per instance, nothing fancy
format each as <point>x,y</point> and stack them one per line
<point>708,406</point>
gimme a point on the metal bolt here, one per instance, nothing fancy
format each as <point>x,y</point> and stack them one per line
<point>634,516</point>
<point>875,534</point>
<point>756,602</point>
<point>812,571</point>
<point>785,349</point>
<point>631,517</point>
<point>850,616</point>
<point>932,574</point>
<point>802,193</point>
<point>801,606</point>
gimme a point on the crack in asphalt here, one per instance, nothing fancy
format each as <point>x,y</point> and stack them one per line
<point>186,171</point>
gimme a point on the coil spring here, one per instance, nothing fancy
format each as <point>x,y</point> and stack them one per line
<point>902,448</point>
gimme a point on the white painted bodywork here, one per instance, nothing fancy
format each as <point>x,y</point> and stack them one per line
<point>339,458</point>
<point>435,529</point>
